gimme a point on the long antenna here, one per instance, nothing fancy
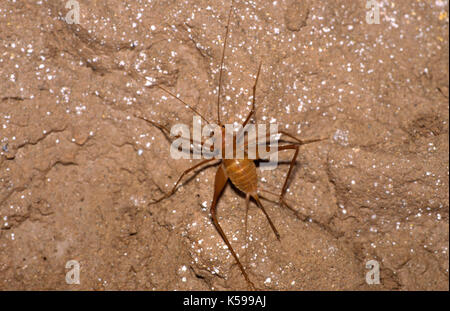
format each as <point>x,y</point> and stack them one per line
<point>187,105</point>
<point>221,63</point>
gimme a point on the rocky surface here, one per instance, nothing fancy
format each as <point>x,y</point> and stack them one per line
<point>78,169</point>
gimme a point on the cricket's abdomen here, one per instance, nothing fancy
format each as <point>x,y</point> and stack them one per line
<point>242,173</point>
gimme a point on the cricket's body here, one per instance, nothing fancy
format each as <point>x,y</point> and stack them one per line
<point>242,173</point>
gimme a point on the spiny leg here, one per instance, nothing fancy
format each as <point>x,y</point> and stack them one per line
<point>219,185</point>
<point>179,179</point>
<point>258,202</point>
<point>299,142</point>
<point>291,166</point>
<point>252,112</point>
<point>238,136</point>
<point>295,147</point>
<point>302,141</point>
<point>166,133</point>
<point>247,206</point>
<point>272,193</point>
<point>293,160</point>
<point>275,202</point>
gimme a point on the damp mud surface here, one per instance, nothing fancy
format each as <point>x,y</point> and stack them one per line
<point>79,166</point>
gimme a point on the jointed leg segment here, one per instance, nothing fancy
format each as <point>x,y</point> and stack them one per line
<point>219,185</point>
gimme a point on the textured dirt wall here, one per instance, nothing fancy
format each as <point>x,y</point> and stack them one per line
<point>78,169</point>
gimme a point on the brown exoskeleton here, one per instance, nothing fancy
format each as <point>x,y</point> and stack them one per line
<point>240,171</point>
